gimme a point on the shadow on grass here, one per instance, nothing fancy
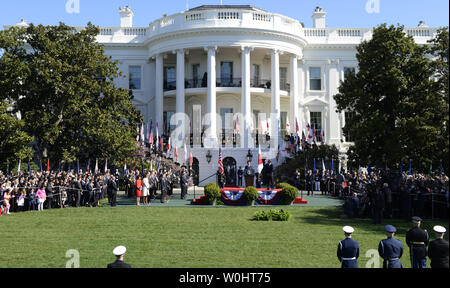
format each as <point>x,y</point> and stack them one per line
<point>333,217</point>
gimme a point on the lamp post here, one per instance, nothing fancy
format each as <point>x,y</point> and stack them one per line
<point>249,156</point>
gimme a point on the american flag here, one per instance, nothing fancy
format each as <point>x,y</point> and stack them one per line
<point>221,171</point>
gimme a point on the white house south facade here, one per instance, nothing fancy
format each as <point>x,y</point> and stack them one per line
<point>253,70</point>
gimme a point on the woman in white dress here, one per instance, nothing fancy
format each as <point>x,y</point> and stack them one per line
<point>146,190</point>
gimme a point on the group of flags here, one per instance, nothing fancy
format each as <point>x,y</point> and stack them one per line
<point>146,136</point>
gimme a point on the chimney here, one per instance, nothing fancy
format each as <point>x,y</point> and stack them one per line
<point>126,17</point>
<point>319,18</point>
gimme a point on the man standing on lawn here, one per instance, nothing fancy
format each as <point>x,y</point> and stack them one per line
<point>438,249</point>
<point>348,249</point>
<point>417,240</point>
<point>391,249</point>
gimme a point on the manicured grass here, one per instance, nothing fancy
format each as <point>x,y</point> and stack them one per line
<point>179,237</point>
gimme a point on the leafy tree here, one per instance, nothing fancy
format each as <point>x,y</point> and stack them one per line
<point>399,113</point>
<point>62,83</point>
<point>14,143</point>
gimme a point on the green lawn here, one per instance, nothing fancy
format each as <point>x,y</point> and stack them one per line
<point>179,237</point>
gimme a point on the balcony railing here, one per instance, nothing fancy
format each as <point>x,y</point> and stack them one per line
<point>221,82</point>
<point>229,82</point>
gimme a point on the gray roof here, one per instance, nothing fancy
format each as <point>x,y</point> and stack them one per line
<point>234,7</point>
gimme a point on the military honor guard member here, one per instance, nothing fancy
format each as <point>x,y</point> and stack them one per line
<point>417,240</point>
<point>119,252</point>
<point>438,249</point>
<point>348,249</point>
<point>391,249</point>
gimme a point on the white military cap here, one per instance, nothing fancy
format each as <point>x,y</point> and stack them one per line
<point>119,250</point>
<point>439,229</point>
<point>348,229</point>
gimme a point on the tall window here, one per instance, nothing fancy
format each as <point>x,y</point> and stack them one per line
<point>196,75</point>
<point>349,116</point>
<point>170,78</point>
<point>134,77</point>
<point>348,70</point>
<point>167,115</point>
<point>255,75</point>
<point>283,78</point>
<point>315,79</point>
<point>226,73</point>
<point>316,123</point>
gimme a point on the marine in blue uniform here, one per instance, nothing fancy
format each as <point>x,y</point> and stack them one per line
<point>417,240</point>
<point>348,250</point>
<point>391,249</point>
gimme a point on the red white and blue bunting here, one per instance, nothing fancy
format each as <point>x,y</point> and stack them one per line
<point>233,196</point>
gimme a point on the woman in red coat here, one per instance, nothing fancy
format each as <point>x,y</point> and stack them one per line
<point>138,190</point>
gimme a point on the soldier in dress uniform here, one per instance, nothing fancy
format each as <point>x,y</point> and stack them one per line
<point>119,252</point>
<point>438,249</point>
<point>417,240</point>
<point>348,249</point>
<point>391,249</point>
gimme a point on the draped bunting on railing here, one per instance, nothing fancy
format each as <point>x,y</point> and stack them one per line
<point>233,196</point>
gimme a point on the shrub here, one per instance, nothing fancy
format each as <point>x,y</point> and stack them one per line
<point>212,192</point>
<point>250,194</point>
<point>272,215</point>
<point>288,193</point>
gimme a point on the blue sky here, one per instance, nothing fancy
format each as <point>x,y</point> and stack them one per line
<point>341,13</point>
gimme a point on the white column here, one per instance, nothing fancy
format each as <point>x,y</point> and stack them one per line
<point>333,117</point>
<point>275,117</point>
<point>211,95</point>
<point>301,97</point>
<point>159,100</point>
<point>180,111</point>
<point>246,99</point>
<point>294,115</point>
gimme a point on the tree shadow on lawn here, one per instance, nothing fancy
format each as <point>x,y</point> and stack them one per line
<point>332,217</point>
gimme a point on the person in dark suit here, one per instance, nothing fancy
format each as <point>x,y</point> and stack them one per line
<point>355,205</point>
<point>348,250</point>
<point>112,187</point>
<point>391,249</point>
<point>269,175</point>
<point>119,252</point>
<point>309,182</point>
<point>378,206</point>
<point>417,240</point>
<point>184,183</point>
<point>438,249</point>
<point>240,175</point>
<point>249,175</point>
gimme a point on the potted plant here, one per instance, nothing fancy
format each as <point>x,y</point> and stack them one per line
<point>250,195</point>
<point>212,193</point>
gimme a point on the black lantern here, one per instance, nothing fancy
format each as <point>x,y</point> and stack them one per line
<point>249,156</point>
<point>208,156</point>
